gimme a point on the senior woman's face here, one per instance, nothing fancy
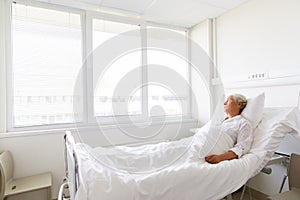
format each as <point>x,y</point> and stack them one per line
<point>231,107</point>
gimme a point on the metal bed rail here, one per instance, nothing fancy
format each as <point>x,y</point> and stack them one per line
<point>71,181</point>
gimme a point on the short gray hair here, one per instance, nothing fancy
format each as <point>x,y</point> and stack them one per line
<point>239,98</point>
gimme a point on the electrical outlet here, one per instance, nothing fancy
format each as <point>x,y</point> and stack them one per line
<point>259,75</point>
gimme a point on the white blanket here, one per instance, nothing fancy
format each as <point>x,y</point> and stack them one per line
<point>161,171</point>
<point>177,170</point>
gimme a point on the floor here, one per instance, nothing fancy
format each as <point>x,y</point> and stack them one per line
<point>237,195</point>
<point>255,195</point>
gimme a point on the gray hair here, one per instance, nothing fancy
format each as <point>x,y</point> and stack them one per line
<point>239,98</point>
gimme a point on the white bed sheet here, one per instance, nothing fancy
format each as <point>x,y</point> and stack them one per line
<point>128,177</point>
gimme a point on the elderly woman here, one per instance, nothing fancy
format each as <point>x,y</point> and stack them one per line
<point>237,127</point>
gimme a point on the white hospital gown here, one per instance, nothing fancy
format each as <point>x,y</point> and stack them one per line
<point>241,132</point>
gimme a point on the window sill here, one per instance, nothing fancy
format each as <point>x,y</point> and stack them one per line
<point>84,127</point>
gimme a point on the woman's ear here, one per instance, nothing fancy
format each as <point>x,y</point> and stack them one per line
<point>240,104</point>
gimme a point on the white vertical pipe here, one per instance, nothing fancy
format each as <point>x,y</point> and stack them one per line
<point>189,57</point>
<point>88,87</point>
<point>298,102</point>
<point>214,47</point>
<point>88,68</point>
<point>144,71</point>
<point>212,73</point>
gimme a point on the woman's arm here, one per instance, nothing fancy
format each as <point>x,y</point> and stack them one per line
<point>214,159</point>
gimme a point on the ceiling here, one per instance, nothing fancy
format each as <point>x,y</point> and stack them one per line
<point>182,13</point>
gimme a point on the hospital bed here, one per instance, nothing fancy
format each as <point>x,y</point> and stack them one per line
<point>92,173</point>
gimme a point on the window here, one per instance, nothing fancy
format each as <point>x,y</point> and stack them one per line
<point>110,98</point>
<point>167,55</point>
<point>49,84</point>
<point>46,59</point>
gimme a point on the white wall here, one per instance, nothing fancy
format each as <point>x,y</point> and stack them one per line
<point>36,154</point>
<point>262,36</point>
<point>259,36</point>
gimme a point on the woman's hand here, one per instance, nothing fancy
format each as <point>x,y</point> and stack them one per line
<point>214,159</point>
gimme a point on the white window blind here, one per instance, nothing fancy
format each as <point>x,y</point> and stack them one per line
<point>137,81</point>
<point>113,80</point>
<point>168,72</point>
<point>46,59</point>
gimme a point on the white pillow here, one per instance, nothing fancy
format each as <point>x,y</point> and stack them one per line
<point>254,109</point>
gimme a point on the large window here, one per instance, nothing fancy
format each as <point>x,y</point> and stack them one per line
<point>46,59</point>
<point>167,55</point>
<point>107,69</point>
<point>110,81</point>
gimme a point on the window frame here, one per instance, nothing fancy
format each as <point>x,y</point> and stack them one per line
<point>87,17</point>
<point>9,68</point>
<point>108,120</point>
<point>188,56</point>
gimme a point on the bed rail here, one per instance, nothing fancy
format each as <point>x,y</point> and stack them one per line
<point>62,193</point>
<point>71,180</point>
